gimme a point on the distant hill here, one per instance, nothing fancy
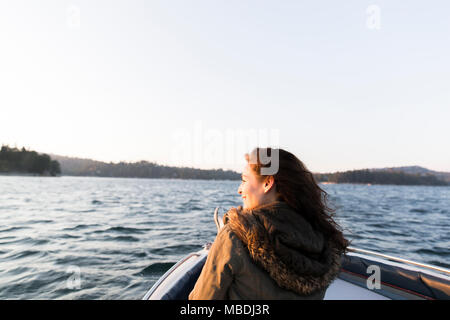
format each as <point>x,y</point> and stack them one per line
<point>71,166</point>
<point>445,176</point>
<point>13,160</point>
<point>412,175</point>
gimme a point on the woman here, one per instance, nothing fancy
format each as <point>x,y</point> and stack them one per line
<point>282,244</point>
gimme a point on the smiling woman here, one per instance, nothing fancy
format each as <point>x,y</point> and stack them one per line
<point>256,190</point>
<point>282,244</point>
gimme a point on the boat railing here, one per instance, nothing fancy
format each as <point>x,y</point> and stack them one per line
<point>419,264</point>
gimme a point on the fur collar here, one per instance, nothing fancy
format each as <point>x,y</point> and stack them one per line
<point>285,245</point>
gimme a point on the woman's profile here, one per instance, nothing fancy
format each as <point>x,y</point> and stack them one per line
<point>281,244</point>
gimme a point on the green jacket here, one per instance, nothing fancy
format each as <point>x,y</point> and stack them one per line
<point>269,252</point>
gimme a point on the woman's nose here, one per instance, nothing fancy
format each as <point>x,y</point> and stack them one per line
<point>239,190</point>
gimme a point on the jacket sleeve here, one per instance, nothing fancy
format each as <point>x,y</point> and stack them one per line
<point>219,270</point>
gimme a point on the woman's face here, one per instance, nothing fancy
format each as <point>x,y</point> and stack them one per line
<point>251,189</point>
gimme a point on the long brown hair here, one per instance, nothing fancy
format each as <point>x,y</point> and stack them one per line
<point>296,186</point>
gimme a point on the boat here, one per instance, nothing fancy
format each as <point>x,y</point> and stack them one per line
<point>364,275</point>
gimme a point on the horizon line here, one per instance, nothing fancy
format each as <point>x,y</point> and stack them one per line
<point>224,169</point>
<point>218,168</point>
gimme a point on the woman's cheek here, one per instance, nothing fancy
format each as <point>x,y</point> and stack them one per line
<point>244,190</point>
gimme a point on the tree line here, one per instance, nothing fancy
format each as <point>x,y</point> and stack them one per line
<point>142,169</point>
<point>13,160</point>
<point>367,176</point>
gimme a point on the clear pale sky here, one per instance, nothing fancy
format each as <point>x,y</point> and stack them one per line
<point>338,83</point>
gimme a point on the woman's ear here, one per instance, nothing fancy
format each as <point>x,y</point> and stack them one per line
<point>268,183</point>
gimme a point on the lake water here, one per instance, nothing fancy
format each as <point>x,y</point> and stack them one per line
<point>112,238</point>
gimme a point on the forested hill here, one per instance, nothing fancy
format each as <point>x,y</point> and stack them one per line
<point>143,169</point>
<point>22,161</point>
<point>15,161</point>
<point>392,176</point>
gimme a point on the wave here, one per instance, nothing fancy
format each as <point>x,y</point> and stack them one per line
<point>40,221</point>
<point>418,210</point>
<point>14,229</point>
<point>27,240</point>
<point>123,238</point>
<point>156,268</point>
<point>69,236</point>
<point>435,251</point>
<point>19,270</point>
<point>85,211</point>
<point>177,249</point>
<point>24,254</point>
<point>127,230</point>
<point>439,264</point>
<point>81,226</point>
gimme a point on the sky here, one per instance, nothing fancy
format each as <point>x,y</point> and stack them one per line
<point>341,84</point>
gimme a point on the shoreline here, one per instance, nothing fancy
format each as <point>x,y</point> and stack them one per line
<point>14,174</point>
<point>23,174</point>
<point>386,184</point>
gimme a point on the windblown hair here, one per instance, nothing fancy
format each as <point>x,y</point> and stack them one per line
<point>296,186</point>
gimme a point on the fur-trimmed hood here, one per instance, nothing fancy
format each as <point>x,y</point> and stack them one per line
<point>285,245</point>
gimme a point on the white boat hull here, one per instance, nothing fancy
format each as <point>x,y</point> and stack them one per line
<point>355,282</point>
